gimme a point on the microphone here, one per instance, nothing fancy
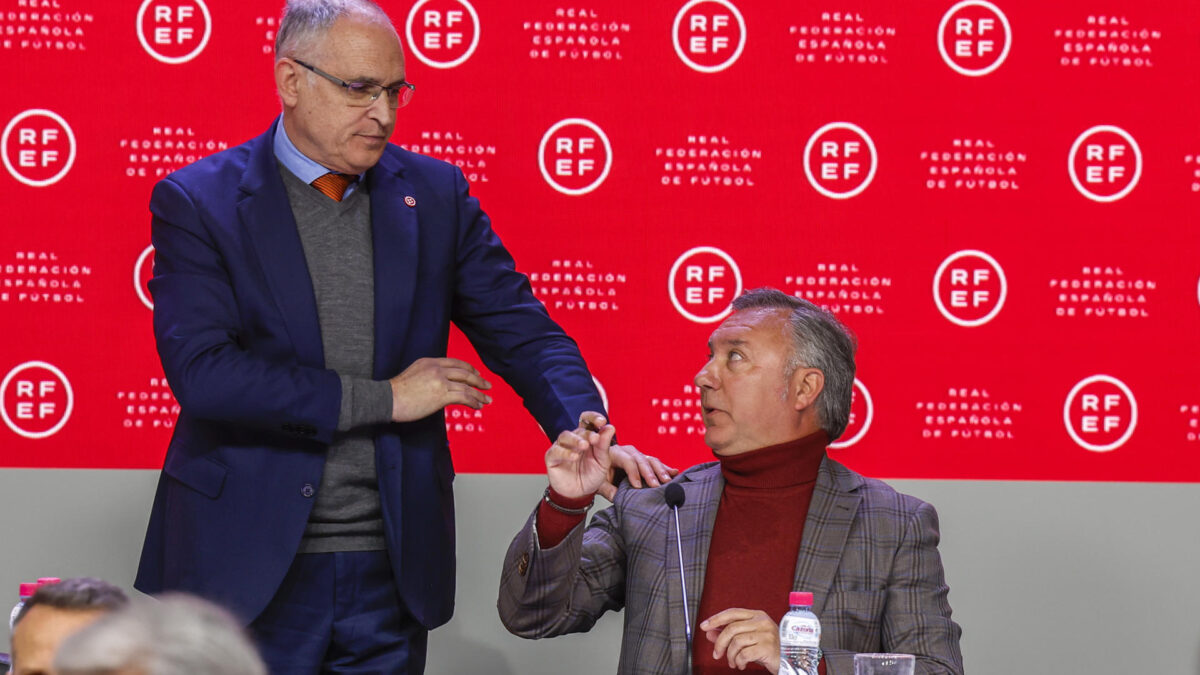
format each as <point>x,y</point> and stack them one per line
<point>673,494</point>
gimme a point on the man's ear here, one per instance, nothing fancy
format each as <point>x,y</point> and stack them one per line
<point>806,385</point>
<point>287,82</point>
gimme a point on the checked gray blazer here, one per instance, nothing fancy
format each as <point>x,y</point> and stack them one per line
<point>869,555</point>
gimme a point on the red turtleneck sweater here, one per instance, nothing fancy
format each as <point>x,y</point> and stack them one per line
<point>756,538</point>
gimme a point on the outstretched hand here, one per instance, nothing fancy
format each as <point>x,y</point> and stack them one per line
<point>642,470</point>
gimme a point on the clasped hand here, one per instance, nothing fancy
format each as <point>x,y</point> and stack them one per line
<point>582,462</point>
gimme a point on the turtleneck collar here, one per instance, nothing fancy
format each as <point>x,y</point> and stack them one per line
<point>792,463</point>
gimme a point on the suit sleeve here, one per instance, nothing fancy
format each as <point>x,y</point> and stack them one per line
<point>564,589</point>
<point>495,308</point>
<point>916,618</point>
<point>196,326</point>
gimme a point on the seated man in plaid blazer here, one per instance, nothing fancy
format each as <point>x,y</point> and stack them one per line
<point>772,515</point>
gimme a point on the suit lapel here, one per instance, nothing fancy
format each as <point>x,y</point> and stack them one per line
<point>266,214</point>
<point>394,237</point>
<point>830,515</point>
<point>702,495</point>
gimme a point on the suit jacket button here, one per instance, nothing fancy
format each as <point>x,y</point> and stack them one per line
<point>523,564</point>
<point>307,490</point>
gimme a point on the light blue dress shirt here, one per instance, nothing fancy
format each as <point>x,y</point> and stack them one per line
<point>298,163</point>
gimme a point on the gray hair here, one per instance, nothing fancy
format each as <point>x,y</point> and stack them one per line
<point>80,593</point>
<point>174,635</point>
<point>305,22</point>
<point>819,341</point>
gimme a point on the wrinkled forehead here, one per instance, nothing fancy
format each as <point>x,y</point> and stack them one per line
<point>759,325</point>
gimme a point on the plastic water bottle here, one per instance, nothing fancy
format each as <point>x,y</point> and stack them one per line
<point>799,637</point>
<point>24,594</point>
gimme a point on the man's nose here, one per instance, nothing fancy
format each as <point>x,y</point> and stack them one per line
<point>381,111</point>
<point>704,379</point>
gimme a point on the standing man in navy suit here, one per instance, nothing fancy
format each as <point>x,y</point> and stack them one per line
<point>304,287</point>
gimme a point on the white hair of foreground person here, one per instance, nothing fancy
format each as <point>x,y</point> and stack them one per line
<point>174,634</point>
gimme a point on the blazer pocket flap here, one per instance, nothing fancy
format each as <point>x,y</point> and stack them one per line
<point>855,616</point>
<point>202,474</point>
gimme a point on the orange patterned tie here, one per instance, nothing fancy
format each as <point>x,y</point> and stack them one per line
<point>333,185</point>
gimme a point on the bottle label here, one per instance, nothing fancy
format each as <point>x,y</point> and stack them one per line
<point>800,631</point>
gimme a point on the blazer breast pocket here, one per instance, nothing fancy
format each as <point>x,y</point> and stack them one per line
<point>856,619</point>
<point>204,475</point>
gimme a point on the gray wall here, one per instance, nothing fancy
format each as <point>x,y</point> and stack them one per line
<point>1085,577</point>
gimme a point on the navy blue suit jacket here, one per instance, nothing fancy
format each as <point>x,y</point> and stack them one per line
<point>237,331</point>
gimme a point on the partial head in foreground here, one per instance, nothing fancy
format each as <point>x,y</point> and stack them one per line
<point>779,368</point>
<point>55,612</point>
<point>174,635</point>
<point>331,58</point>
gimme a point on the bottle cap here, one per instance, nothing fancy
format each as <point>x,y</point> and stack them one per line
<point>28,590</point>
<point>800,598</point>
<point>48,580</point>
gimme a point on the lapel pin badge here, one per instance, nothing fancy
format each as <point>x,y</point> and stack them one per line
<point>408,199</point>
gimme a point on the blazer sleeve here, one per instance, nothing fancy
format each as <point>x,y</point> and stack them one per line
<point>916,615</point>
<point>495,308</point>
<point>196,326</point>
<point>564,589</point>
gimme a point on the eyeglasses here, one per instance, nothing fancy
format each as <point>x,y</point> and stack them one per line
<point>363,94</point>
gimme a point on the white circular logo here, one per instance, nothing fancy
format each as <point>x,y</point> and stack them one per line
<point>1109,166</point>
<point>709,35</point>
<point>703,283</point>
<point>143,270</point>
<point>1100,413</point>
<point>978,38</point>
<point>38,147</point>
<point>174,31</point>
<point>36,399</point>
<point>969,288</point>
<point>443,33</point>
<point>844,162</point>
<point>862,411</point>
<point>575,156</point>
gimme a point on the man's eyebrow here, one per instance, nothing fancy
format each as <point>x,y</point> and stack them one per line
<point>366,79</point>
<point>732,342</point>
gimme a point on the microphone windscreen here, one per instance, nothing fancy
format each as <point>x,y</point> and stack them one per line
<point>674,495</point>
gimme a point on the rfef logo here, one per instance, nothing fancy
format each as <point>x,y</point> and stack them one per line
<point>974,37</point>
<point>36,399</point>
<point>174,31</point>
<point>862,411</point>
<point>1105,163</point>
<point>703,283</point>
<point>1100,413</point>
<point>575,156</point>
<point>840,160</point>
<point>38,147</point>
<point>143,270</point>
<point>442,33</point>
<point>709,35</point>
<point>969,288</point>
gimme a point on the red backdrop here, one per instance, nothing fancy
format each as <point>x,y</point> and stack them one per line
<point>998,197</point>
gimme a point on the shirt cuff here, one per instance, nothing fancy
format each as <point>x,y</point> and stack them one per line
<point>552,525</point>
<point>364,402</point>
